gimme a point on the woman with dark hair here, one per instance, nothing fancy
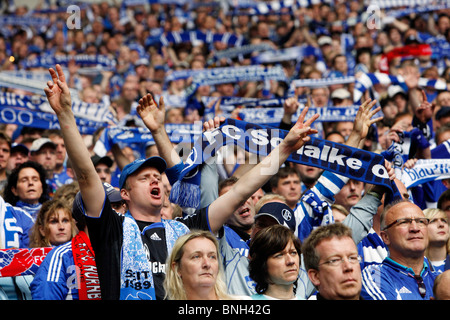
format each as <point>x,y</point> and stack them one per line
<point>275,263</point>
<point>27,187</point>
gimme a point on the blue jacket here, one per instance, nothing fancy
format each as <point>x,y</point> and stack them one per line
<point>16,224</point>
<point>56,278</point>
<point>392,281</point>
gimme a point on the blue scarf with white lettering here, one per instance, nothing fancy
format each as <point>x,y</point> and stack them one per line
<point>136,274</point>
<point>205,37</point>
<point>351,162</point>
<point>138,138</point>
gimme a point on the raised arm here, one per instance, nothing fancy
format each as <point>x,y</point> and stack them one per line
<point>153,118</point>
<point>58,96</point>
<point>221,209</point>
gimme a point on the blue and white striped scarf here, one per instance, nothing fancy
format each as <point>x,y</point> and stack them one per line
<point>400,3</point>
<point>135,260</point>
<point>368,80</point>
<point>142,138</point>
<point>199,36</point>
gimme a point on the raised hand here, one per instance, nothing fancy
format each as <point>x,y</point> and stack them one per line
<point>57,91</point>
<point>411,76</point>
<point>212,124</point>
<point>363,119</point>
<point>291,105</point>
<point>425,110</point>
<point>300,132</point>
<point>149,112</point>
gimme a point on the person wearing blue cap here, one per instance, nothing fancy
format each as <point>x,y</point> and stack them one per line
<point>19,155</point>
<point>131,250</point>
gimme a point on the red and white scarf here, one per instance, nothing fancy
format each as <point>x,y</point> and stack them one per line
<point>84,257</point>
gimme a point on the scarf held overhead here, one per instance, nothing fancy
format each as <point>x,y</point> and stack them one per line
<point>351,162</point>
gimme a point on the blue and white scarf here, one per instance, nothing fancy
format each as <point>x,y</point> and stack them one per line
<point>323,82</point>
<point>441,151</point>
<point>251,73</point>
<point>368,80</point>
<point>35,111</point>
<point>399,152</point>
<point>425,170</point>
<point>416,10</point>
<point>139,138</point>
<point>205,37</point>
<point>239,51</point>
<point>136,284</point>
<point>32,209</point>
<point>293,53</point>
<point>272,6</point>
<point>338,158</point>
<point>43,120</point>
<point>46,61</point>
<point>400,3</point>
<point>27,20</point>
<point>273,116</point>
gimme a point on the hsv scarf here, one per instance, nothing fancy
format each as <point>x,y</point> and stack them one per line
<point>338,158</point>
<point>84,258</point>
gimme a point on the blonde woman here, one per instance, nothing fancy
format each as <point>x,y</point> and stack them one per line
<point>194,269</point>
<point>54,225</point>
<point>438,238</point>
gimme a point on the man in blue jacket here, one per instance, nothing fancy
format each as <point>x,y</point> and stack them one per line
<point>405,274</point>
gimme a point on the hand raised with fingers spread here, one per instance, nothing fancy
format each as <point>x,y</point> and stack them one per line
<point>363,119</point>
<point>149,112</point>
<point>299,134</point>
<point>57,91</point>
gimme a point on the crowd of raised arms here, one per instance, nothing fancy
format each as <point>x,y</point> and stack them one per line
<point>225,150</point>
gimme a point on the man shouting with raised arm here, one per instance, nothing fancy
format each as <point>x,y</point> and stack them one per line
<point>130,262</point>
